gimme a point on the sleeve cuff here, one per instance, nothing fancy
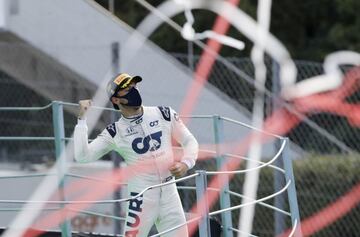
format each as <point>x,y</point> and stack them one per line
<point>81,122</point>
<point>188,163</point>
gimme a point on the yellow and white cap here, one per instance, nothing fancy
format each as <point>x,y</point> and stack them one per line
<point>120,82</point>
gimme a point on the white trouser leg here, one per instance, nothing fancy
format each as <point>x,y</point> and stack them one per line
<point>142,213</point>
<point>171,213</point>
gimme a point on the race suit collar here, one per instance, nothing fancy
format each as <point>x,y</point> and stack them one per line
<point>134,117</point>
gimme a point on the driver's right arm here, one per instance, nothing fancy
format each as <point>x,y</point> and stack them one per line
<point>87,152</point>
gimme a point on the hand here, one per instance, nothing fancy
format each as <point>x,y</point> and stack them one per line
<point>84,106</point>
<point>178,169</point>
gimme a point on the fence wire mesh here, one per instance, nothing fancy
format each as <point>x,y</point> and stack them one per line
<point>328,171</point>
<point>324,133</point>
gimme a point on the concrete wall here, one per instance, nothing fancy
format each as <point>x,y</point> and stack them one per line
<point>2,14</point>
<point>78,34</point>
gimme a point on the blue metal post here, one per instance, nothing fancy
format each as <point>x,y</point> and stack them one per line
<point>220,161</point>
<point>289,175</point>
<point>201,185</point>
<point>279,180</point>
<point>59,134</point>
<point>279,200</point>
<point>115,61</point>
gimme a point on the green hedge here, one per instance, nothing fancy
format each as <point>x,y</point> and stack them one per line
<point>320,180</point>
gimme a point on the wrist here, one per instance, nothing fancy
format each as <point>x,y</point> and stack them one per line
<point>81,121</point>
<point>81,116</point>
<point>187,164</point>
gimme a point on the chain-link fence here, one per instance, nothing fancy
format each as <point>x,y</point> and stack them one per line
<point>331,141</point>
<point>323,133</point>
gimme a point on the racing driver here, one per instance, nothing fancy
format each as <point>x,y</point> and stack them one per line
<point>143,134</point>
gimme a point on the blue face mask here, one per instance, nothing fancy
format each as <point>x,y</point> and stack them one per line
<point>133,97</point>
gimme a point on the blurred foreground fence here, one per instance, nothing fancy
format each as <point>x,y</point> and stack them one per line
<point>328,171</point>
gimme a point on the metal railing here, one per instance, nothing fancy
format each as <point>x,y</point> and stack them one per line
<point>200,177</point>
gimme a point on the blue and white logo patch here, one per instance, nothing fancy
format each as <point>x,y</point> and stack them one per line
<point>165,111</point>
<point>149,143</point>
<point>111,129</point>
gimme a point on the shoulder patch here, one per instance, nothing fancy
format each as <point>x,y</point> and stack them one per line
<point>165,111</point>
<point>111,129</point>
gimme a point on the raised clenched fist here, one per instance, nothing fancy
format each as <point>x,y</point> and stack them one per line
<point>84,106</point>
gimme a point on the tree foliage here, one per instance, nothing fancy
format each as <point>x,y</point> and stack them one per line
<point>313,29</point>
<point>309,29</point>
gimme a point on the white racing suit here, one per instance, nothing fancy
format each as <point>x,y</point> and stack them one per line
<point>147,137</point>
